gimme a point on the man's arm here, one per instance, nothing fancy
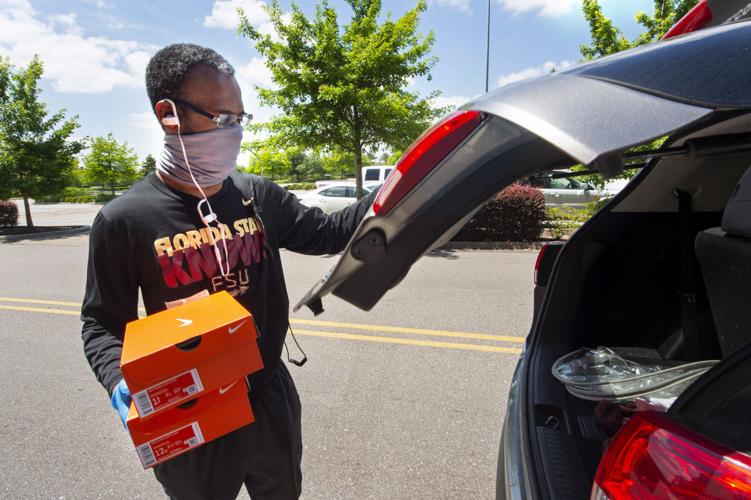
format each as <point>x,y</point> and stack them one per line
<point>309,230</point>
<point>110,302</point>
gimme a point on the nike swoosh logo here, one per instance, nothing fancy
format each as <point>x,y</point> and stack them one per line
<point>222,390</point>
<point>233,329</point>
<point>246,202</point>
<point>184,322</point>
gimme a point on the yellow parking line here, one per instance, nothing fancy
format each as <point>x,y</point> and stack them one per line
<point>40,310</point>
<point>415,331</point>
<point>36,301</point>
<point>423,343</point>
<point>296,321</point>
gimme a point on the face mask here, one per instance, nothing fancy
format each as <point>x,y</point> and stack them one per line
<point>212,155</point>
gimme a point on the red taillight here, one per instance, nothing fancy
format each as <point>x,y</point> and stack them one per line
<point>652,457</point>
<point>696,19</point>
<point>539,260</point>
<point>423,156</point>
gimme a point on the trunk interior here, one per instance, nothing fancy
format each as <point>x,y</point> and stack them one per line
<point>617,283</point>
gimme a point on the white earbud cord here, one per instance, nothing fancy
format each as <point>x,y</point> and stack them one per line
<point>222,233</point>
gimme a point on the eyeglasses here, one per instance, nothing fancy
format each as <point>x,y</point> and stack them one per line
<point>222,120</point>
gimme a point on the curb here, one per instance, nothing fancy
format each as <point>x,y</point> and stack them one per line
<point>493,245</point>
<point>41,236</point>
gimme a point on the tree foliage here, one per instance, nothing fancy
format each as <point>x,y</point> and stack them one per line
<point>345,87</point>
<point>110,163</point>
<point>295,164</point>
<point>148,165</point>
<point>37,152</point>
<point>609,39</point>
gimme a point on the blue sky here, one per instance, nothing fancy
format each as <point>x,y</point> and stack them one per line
<point>95,51</point>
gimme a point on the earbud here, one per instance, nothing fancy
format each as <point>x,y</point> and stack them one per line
<point>171,120</point>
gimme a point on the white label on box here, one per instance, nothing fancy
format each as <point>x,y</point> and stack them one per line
<point>170,445</point>
<point>167,393</point>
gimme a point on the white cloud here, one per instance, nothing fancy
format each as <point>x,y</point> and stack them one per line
<point>73,62</point>
<point>532,72</point>
<point>549,8</point>
<point>461,5</point>
<point>256,73</point>
<point>453,101</point>
<point>224,14</point>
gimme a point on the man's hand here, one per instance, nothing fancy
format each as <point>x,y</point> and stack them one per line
<point>121,400</point>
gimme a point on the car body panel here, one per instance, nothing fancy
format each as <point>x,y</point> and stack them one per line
<point>723,53</point>
<point>587,118</point>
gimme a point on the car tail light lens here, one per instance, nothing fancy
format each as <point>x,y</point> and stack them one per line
<point>423,156</point>
<point>539,260</point>
<point>652,457</point>
<point>696,19</point>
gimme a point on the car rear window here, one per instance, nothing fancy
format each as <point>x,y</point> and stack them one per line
<point>708,68</point>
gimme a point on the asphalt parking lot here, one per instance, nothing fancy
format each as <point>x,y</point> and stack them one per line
<point>405,401</point>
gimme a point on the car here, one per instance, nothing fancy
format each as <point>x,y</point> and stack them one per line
<point>562,188</point>
<point>372,175</point>
<point>332,197</point>
<point>663,268</point>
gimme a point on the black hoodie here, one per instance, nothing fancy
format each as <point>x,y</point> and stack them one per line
<point>152,238</point>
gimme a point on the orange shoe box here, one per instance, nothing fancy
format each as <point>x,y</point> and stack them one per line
<point>189,425</point>
<point>176,354</point>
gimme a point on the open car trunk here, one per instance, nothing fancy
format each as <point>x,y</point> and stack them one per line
<point>617,281</point>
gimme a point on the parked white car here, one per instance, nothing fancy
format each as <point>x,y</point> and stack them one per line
<point>332,198</point>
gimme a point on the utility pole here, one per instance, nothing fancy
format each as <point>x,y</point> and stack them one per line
<point>487,54</point>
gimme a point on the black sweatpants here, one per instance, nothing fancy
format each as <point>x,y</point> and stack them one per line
<point>265,455</point>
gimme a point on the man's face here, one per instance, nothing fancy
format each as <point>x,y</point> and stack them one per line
<point>209,90</point>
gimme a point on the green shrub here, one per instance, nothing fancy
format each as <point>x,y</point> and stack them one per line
<point>103,197</point>
<point>8,214</point>
<point>515,214</point>
<point>85,198</point>
<point>300,186</point>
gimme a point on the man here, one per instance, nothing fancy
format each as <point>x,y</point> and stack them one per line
<point>152,238</point>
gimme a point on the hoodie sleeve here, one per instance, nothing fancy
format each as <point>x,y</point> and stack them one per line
<point>110,302</point>
<point>308,230</point>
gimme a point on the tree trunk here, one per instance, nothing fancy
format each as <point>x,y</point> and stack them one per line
<point>358,171</point>
<point>27,209</point>
<point>112,187</point>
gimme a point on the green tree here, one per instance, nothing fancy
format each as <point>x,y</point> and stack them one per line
<point>345,86</point>
<point>37,154</point>
<point>148,165</point>
<point>394,157</point>
<point>608,39</point>
<point>267,159</point>
<point>110,163</point>
<point>337,164</point>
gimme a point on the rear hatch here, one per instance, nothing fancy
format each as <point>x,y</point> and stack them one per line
<point>589,114</point>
